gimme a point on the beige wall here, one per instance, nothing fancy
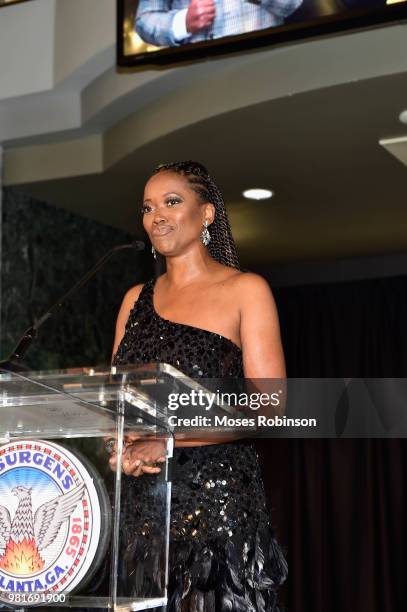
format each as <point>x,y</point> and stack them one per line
<point>26,48</point>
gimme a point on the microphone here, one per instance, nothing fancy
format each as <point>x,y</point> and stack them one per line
<point>14,361</point>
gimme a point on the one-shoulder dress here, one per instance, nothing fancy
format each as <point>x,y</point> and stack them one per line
<point>223,554</point>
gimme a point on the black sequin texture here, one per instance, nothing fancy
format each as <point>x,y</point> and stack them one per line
<point>194,351</point>
<point>223,553</point>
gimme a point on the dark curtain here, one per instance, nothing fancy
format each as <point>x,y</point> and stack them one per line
<point>339,506</point>
<point>354,329</point>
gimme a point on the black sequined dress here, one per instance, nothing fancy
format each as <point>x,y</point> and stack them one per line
<point>223,554</point>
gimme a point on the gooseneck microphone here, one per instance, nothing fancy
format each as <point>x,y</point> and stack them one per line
<point>15,359</point>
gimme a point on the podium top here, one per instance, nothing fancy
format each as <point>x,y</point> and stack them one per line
<point>87,402</point>
<point>83,402</point>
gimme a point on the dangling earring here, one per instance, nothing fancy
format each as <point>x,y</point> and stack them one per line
<point>205,235</point>
<point>153,252</point>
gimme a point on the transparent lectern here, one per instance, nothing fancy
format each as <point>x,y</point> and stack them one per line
<point>66,522</point>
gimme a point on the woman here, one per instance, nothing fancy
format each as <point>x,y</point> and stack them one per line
<point>210,320</point>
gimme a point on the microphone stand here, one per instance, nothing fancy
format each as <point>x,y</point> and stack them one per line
<point>14,361</point>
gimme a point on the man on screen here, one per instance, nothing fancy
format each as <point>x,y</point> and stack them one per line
<point>166,23</point>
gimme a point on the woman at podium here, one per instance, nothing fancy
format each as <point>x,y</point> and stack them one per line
<point>208,319</point>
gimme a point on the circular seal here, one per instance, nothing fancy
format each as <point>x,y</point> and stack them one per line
<point>50,521</point>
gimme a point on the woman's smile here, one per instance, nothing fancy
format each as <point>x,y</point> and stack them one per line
<point>161,230</point>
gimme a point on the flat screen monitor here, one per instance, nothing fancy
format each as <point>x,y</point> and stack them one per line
<point>170,31</point>
<point>8,2</point>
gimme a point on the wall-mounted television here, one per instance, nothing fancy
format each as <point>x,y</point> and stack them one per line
<point>170,31</point>
<point>8,2</point>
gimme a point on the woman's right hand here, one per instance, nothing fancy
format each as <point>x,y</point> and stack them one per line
<point>200,15</point>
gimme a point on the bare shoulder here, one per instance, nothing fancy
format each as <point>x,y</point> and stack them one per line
<point>251,280</point>
<point>133,294</point>
<point>130,298</point>
<point>249,286</point>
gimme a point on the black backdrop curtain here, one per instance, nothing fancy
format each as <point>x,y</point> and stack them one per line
<point>339,506</point>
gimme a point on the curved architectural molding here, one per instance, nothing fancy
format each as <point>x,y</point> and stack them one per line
<point>83,98</point>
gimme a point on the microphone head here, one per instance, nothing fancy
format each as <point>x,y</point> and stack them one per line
<point>139,245</point>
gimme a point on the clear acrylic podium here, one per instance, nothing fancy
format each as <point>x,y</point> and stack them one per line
<point>61,505</point>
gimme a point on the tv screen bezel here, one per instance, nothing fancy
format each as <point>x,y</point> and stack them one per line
<point>347,21</point>
<point>12,2</point>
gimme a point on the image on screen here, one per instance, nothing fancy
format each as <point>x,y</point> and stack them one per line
<point>160,28</point>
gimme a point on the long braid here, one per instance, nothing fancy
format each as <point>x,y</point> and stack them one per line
<point>222,246</point>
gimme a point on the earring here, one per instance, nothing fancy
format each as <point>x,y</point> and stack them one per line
<point>205,235</point>
<point>153,252</point>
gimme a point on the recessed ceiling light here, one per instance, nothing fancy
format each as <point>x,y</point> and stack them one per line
<point>403,116</point>
<point>258,194</point>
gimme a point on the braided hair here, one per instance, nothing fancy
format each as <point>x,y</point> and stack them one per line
<point>222,246</point>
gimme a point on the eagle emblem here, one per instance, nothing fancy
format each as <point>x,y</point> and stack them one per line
<point>24,537</point>
<point>50,521</point>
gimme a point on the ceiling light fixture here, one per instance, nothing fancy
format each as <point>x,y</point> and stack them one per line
<point>403,116</point>
<point>258,194</point>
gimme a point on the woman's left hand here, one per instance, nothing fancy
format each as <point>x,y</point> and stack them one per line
<point>140,457</point>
